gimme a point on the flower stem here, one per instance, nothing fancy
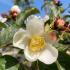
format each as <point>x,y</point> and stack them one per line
<point>37,66</point>
<point>59,66</point>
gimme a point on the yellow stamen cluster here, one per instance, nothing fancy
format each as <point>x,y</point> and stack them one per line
<point>37,43</point>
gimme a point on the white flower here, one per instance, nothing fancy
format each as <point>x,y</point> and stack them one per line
<point>3,19</point>
<point>16,9</point>
<point>34,42</point>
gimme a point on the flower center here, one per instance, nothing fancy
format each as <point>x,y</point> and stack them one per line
<point>37,43</point>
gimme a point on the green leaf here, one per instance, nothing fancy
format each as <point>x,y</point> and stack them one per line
<point>64,60</point>
<point>6,35</point>
<point>61,9</point>
<point>30,11</point>
<point>14,67</point>
<point>2,63</point>
<point>61,47</point>
<point>11,63</point>
<point>24,3</point>
<point>65,39</point>
<point>46,3</point>
<point>66,16</point>
<point>25,14</point>
<point>59,66</point>
<point>22,67</point>
<point>8,63</point>
<point>3,25</point>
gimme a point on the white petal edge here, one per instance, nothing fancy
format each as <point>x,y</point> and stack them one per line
<point>49,55</point>
<point>35,25</point>
<point>20,38</point>
<point>46,18</point>
<point>30,56</point>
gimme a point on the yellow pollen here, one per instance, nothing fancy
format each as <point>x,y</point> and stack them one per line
<point>37,43</point>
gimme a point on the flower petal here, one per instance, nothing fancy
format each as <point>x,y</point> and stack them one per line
<point>35,25</point>
<point>46,18</point>
<point>49,55</point>
<point>20,39</point>
<point>30,56</point>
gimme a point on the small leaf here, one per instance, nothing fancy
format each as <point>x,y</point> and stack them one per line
<point>66,16</point>
<point>2,63</point>
<point>61,10</point>
<point>66,39</point>
<point>3,25</point>
<point>61,47</point>
<point>6,35</point>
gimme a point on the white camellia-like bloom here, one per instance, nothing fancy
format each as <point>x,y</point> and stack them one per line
<point>16,9</point>
<point>35,42</point>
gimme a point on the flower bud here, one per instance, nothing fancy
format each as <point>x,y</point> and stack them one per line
<point>16,9</point>
<point>57,2</point>
<point>53,36</point>
<point>59,23</point>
